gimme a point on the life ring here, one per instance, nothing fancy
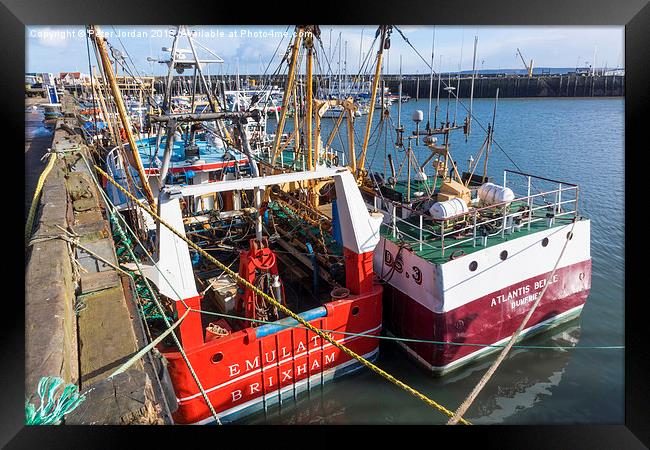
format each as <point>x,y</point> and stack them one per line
<point>263,258</point>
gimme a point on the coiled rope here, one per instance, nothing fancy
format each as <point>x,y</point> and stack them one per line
<point>54,402</point>
<point>284,309</point>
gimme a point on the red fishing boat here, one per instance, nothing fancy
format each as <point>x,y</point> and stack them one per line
<point>243,366</point>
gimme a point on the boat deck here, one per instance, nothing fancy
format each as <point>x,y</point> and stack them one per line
<point>208,154</point>
<point>408,232</point>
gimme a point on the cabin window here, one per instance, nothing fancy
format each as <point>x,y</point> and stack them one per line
<point>217,357</point>
<point>569,235</point>
<point>504,255</point>
<point>355,310</point>
<point>473,266</point>
<point>544,242</point>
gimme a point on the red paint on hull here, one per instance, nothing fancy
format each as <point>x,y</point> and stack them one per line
<point>486,320</point>
<point>241,368</point>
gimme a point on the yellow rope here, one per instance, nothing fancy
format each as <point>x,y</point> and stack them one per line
<point>286,310</point>
<point>39,186</point>
<point>462,409</point>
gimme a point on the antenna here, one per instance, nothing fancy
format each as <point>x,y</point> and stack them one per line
<point>399,106</point>
<point>471,94</point>
<point>433,47</point>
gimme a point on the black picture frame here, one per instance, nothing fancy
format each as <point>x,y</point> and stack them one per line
<point>633,14</point>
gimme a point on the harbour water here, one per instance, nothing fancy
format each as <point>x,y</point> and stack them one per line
<point>578,140</point>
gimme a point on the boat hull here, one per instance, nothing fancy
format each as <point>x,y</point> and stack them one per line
<point>475,308</point>
<point>255,368</point>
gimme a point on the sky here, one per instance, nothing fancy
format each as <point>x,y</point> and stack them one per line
<point>248,49</point>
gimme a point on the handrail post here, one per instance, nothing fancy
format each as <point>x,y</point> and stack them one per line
<point>394,220</point>
<point>420,232</point>
<point>503,228</point>
<point>442,238</point>
<point>474,232</point>
<point>559,199</point>
<point>530,206</point>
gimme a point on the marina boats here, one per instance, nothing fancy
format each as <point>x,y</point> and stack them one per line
<point>430,257</point>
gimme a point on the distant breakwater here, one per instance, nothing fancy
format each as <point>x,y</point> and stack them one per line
<point>485,86</point>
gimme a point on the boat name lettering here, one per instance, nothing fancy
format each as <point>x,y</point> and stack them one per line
<point>285,375</point>
<point>269,357</point>
<point>513,296</point>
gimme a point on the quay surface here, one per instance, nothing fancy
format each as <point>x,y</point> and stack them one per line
<point>81,320</point>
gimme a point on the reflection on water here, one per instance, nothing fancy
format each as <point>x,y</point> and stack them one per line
<point>524,379</point>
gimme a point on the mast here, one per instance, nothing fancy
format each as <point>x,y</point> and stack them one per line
<point>433,47</point>
<point>399,106</point>
<point>311,159</point>
<point>471,94</point>
<point>338,84</point>
<point>435,114</point>
<point>490,134</point>
<point>460,62</point>
<point>117,95</point>
<point>384,42</point>
<point>287,93</point>
<point>345,69</point>
<point>100,96</point>
<point>360,49</point>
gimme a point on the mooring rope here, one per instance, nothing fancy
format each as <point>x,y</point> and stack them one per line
<point>37,193</point>
<point>283,308</point>
<point>155,299</point>
<point>420,341</point>
<point>486,377</point>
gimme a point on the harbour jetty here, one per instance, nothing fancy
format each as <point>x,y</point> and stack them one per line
<point>513,86</point>
<point>485,86</point>
<point>81,320</point>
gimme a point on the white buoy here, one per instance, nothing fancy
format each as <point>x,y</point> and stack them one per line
<point>448,209</point>
<point>492,194</point>
<point>418,116</point>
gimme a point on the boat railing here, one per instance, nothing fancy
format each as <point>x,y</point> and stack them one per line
<point>476,226</point>
<point>330,157</point>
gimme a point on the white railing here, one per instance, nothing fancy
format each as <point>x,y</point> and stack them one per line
<point>479,219</point>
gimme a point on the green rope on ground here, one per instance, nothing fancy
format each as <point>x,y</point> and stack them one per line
<point>123,244</point>
<point>54,402</point>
